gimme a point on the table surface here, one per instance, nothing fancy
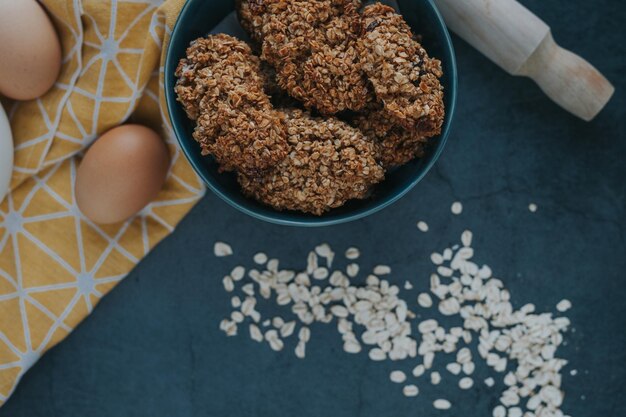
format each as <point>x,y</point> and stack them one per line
<point>152,347</point>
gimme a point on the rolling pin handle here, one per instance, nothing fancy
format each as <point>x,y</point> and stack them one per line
<point>568,79</point>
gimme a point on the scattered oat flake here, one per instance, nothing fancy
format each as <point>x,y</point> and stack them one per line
<point>436,258</point>
<point>352,270</point>
<point>325,251</point>
<point>287,329</point>
<point>454,368</point>
<point>300,350</point>
<point>410,390</point>
<point>435,378</point>
<point>408,285</point>
<point>466,383</point>
<point>221,249</point>
<point>499,411</point>
<point>418,371</point>
<point>352,346</point>
<point>382,270</point>
<point>377,354</point>
<point>468,367</point>
<point>441,404</point>
<point>248,289</point>
<point>424,300</point>
<point>422,226</point>
<point>304,334</point>
<point>237,316</point>
<point>532,207</point>
<point>456,208</point>
<point>278,322</point>
<point>352,253</point>
<point>260,258</point>
<point>466,238</point>
<point>320,273</point>
<point>564,305</point>
<point>255,333</point>
<point>238,273</point>
<point>489,382</point>
<point>229,285</point>
<point>397,376</point>
<point>276,344</point>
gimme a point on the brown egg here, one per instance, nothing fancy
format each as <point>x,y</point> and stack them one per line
<point>30,51</point>
<point>122,172</point>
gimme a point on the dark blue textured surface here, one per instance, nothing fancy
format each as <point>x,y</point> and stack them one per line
<point>152,347</point>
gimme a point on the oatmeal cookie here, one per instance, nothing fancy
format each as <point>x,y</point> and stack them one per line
<point>220,87</point>
<point>312,46</point>
<point>329,163</point>
<point>394,144</point>
<point>404,77</point>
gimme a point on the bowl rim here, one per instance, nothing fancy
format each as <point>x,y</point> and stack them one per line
<point>315,221</point>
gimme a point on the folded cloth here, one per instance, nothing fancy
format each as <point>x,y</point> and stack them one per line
<point>55,264</point>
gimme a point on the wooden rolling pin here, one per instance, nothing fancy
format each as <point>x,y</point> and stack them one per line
<point>518,41</point>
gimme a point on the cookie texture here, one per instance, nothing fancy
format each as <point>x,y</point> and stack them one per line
<point>220,87</point>
<point>329,163</point>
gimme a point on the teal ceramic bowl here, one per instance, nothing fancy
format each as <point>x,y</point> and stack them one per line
<point>200,17</point>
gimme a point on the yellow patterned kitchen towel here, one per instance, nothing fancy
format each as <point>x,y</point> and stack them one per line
<point>55,264</point>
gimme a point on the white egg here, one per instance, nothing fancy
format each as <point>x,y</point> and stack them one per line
<point>6,153</point>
